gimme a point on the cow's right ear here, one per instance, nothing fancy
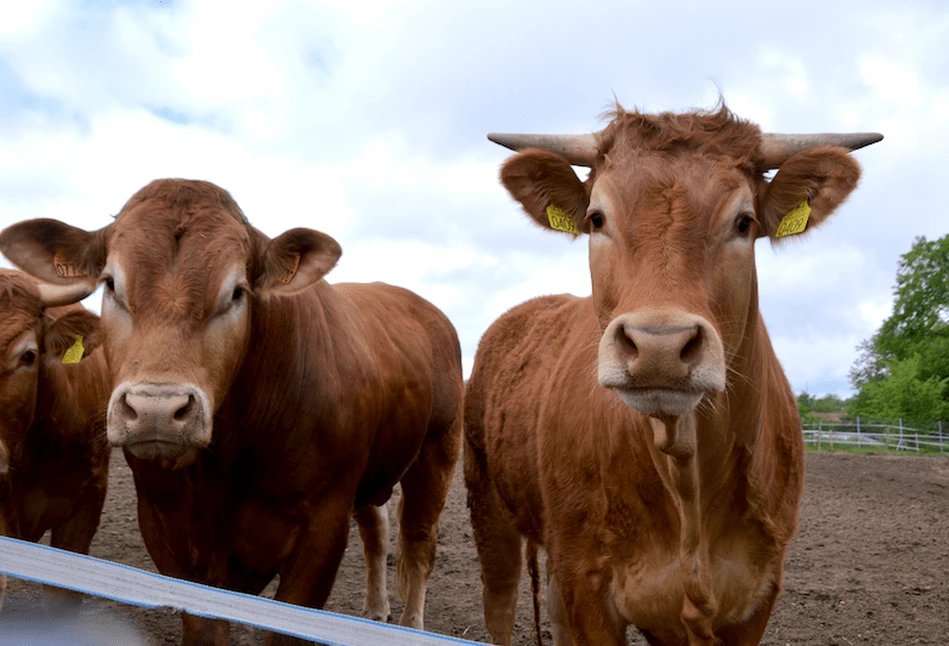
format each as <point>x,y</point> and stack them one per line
<point>547,188</point>
<point>53,251</point>
<point>296,259</point>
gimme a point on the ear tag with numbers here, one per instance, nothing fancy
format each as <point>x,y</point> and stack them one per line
<point>795,221</point>
<point>561,220</point>
<point>66,269</point>
<point>75,352</point>
<point>291,271</point>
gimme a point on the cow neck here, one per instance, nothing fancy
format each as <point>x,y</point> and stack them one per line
<point>291,361</point>
<point>707,456</point>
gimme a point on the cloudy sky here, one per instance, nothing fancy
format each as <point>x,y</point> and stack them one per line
<point>367,120</point>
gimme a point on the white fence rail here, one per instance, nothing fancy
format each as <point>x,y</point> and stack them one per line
<point>884,437</point>
<point>137,587</point>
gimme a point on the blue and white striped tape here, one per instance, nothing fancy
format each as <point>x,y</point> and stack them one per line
<point>100,578</point>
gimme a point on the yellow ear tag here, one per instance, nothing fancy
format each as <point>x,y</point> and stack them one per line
<point>795,221</point>
<point>561,220</point>
<point>74,353</point>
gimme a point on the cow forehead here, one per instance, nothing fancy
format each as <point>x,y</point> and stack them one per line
<point>175,259</point>
<point>20,306</point>
<point>658,188</point>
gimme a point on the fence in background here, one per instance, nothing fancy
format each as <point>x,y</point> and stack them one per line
<point>862,435</point>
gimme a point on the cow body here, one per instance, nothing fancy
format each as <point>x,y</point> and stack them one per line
<point>259,405</point>
<point>646,436</point>
<point>54,456</point>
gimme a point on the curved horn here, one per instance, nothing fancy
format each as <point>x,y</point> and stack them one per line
<point>56,295</point>
<point>579,150</point>
<point>775,149</point>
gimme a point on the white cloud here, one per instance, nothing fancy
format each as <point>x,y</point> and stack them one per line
<point>367,121</point>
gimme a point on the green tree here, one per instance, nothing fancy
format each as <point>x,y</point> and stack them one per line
<point>903,369</point>
<point>903,394</point>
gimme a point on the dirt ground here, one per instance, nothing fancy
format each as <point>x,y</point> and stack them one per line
<point>870,564</point>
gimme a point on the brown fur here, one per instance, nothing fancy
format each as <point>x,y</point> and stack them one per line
<point>52,431</point>
<point>677,523</point>
<point>324,396</point>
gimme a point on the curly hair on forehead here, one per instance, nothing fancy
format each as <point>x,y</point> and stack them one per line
<point>717,132</point>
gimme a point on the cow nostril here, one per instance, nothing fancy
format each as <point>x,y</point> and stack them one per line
<point>128,412</point>
<point>185,411</point>
<point>691,353</point>
<point>625,339</point>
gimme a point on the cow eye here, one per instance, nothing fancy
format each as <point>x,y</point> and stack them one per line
<point>597,220</point>
<point>237,294</point>
<point>28,358</point>
<point>743,223</point>
<point>110,284</point>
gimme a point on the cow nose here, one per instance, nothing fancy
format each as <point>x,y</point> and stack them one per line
<point>660,352</point>
<point>143,416</point>
<point>156,410</point>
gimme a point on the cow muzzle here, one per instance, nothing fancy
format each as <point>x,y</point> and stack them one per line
<point>661,361</point>
<point>154,420</point>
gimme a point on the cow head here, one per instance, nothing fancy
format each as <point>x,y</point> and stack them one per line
<point>32,340</point>
<point>672,207</point>
<point>180,265</point>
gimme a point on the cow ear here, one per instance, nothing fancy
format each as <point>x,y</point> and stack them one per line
<point>53,251</point>
<point>806,190</point>
<point>547,188</point>
<point>76,333</point>
<point>296,259</point>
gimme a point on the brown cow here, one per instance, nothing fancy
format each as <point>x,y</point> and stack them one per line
<point>257,404</point>
<point>54,455</point>
<point>646,436</point>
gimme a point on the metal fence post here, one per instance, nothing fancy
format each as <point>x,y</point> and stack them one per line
<point>940,436</point>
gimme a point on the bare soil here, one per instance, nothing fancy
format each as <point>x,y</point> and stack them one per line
<point>870,564</point>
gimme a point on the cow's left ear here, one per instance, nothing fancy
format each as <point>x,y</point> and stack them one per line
<point>821,177</point>
<point>74,332</point>
<point>294,260</point>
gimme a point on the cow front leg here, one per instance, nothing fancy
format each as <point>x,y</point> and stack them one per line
<point>499,546</point>
<point>558,617</point>
<point>201,631</point>
<point>74,535</point>
<point>308,579</point>
<point>750,632</point>
<point>374,531</point>
<point>591,615</point>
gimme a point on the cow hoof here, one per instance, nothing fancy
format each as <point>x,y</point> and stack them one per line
<point>378,613</point>
<point>413,620</point>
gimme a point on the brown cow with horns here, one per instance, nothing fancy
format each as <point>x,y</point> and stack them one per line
<point>646,436</point>
<point>257,404</point>
<point>54,456</point>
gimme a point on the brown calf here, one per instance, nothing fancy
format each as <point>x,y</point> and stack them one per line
<point>257,404</point>
<point>646,436</point>
<point>54,455</point>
